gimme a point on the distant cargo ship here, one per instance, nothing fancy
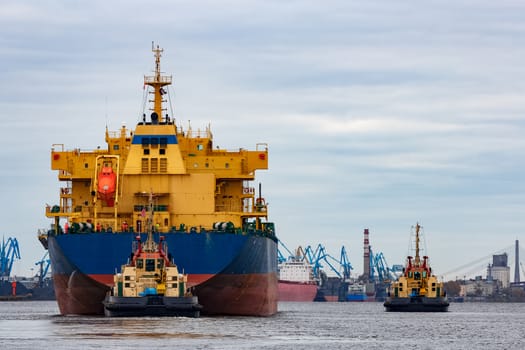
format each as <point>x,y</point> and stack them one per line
<point>27,289</point>
<point>357,291</point>
<point>204,205</point>
<point>296,279</point>
<point>332,289</point>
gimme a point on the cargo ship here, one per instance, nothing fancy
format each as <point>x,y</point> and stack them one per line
<point>357,291</point>
<point>296,279</point>
<point>205,205</point>
<point>331,289</point>
<point>417,289</point>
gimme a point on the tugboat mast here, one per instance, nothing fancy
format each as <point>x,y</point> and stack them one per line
<point>157,81</point>
<point>417,261</point>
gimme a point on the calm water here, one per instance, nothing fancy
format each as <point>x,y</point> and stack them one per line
<point>37,325</point>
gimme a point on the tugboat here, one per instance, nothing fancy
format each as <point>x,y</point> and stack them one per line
<point>417,289</point>
<point>150,284</point>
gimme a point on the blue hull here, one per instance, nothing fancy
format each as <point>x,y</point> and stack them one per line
<point>357,297</point>
<point>231,274</point>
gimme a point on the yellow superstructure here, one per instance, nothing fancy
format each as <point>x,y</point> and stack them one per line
<point>194,185</point>
<point>417,283</point>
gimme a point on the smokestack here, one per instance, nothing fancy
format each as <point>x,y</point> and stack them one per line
<point>366,257</point>
<point>517,263</point>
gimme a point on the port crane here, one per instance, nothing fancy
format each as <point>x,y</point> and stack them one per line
<point>8,253</point>
<point>319,256</point>
<point>280,257</point>
<point>43,264</point>
<point>379,269</point>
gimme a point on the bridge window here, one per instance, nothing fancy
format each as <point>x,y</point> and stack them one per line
<point>150,265</point>
<point>145,141</point>
<point>163,165</point>
<point>154,165</point>
<point>145,165</point>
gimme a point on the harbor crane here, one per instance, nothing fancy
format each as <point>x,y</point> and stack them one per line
<point>43,264</point>
<point>280,257</point>
<point>8,253</point>
<point>379,269</point>
<point>319,256</point>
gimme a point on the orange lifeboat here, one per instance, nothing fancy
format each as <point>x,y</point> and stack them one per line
<point>107,180</point>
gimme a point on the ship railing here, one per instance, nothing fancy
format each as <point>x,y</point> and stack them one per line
<point>165,79</point>
<point>57,210</point>
<point>252,210</point>
<point>118,134</point>
<point>65,192</point>
<point>261,147</point>
<point>194,134</point>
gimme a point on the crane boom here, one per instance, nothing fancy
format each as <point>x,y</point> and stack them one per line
<point>8,253</point>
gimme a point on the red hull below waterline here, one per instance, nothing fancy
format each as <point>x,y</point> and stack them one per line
<point>242,295</point>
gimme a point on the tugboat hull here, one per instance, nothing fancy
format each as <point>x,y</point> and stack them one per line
<point>151,306</point>
<point>417,304</point>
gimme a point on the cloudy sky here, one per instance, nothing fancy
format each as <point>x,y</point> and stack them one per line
<point>378,114</point>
